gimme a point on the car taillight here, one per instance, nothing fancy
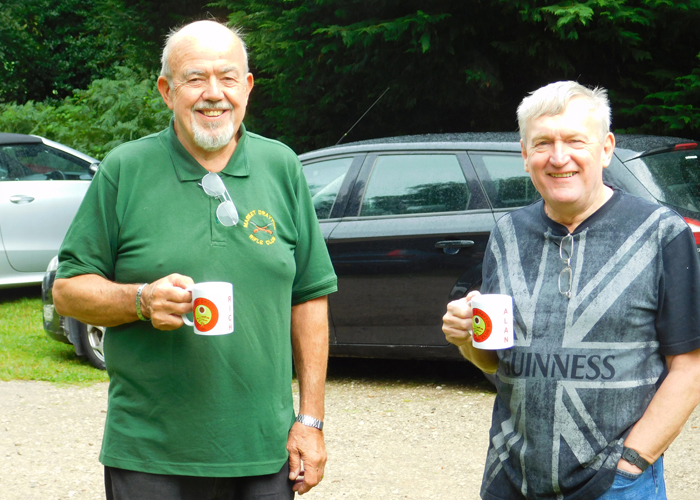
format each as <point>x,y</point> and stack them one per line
<point>695,227</point>
<point>687,145</point>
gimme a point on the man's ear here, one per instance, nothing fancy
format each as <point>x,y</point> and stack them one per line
<point>523,152</point>
<point>608,148</point>
<point>164,89</point>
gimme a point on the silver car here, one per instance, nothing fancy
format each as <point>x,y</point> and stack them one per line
<point>41,186</point>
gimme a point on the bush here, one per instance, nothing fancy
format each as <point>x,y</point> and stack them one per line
<point>94,121</point>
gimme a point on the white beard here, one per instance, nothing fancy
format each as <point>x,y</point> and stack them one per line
<point>212,137</point>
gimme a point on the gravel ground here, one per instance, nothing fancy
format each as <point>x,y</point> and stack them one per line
<point>410,430</point>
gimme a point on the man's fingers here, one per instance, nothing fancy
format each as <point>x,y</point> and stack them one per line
<point>294,464</point>
<point>166,300</point>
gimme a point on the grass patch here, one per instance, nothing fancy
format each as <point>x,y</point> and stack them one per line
<point>28,353</point>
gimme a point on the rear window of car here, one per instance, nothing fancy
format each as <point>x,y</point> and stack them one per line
<point>672,178</point>
<point>504,179</point>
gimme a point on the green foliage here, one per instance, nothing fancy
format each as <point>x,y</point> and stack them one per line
<point>27,352</point>
<point>94,121</point>
<point>50,47</point>
<point>458,66</point>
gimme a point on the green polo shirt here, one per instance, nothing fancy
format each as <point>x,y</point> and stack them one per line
<point>181,403</point>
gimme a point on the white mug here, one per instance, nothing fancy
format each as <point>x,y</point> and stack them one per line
<point>492,321</point>
<point>212,308</point>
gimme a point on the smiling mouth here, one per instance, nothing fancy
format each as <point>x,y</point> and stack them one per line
<point>212,113</point>
<point>563,176</point>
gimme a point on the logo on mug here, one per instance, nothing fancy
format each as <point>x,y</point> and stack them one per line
<point>481,325</point>
<point>206,315</point>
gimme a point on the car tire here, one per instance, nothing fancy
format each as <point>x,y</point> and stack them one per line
<point>92,339</point>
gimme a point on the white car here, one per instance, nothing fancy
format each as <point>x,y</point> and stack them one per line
<point>41,186</point>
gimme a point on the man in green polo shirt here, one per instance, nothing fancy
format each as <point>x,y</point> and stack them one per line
<point>190,416</point>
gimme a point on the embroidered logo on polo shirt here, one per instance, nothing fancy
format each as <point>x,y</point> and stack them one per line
<point>261,227</point>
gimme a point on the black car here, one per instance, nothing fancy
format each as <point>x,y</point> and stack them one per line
<point>407,219</point>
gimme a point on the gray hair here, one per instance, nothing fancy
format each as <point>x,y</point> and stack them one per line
<point>552,100</point>
<point>172,38</point>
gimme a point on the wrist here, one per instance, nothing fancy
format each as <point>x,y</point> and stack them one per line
<point>634,459</point>
<point>140,307</point>
<point>310,421</point>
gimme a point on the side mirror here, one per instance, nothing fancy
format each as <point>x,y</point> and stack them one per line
<point>93,168</point>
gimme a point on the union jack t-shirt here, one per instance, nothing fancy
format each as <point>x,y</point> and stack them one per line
<point>585,367</point>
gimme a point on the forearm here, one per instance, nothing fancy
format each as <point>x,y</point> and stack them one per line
<point>310,349</point>
<point>669,409</point>
<point>484,360</point>
<point>92,299</point>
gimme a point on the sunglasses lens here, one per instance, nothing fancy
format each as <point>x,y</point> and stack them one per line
<point>213,185</point>
<point>227,214</point>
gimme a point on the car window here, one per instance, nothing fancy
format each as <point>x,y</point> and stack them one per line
<point>38,162</point>
<point>415,184</point>
<point>673,177</point>
<point>324,179</point>
<point>504,178</point>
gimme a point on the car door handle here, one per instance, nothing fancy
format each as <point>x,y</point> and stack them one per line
<point>452,247</point>
<point>454,244</point>
<point>20,199</point>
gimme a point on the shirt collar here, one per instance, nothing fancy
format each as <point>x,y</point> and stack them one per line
<point>189,169</point>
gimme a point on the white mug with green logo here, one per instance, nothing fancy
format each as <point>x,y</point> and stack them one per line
<point>492,321</point>
<point>212,308</point>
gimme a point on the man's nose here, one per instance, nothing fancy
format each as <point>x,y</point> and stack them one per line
<point>213,90</point>
<point>560,153</point>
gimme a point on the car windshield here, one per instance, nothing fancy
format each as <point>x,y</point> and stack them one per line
<point>673,177</point>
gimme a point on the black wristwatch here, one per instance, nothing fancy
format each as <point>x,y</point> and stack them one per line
<point>631,456</point>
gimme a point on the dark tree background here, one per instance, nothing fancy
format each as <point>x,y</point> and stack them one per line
<point>448,65</point>
<point>455,65</point>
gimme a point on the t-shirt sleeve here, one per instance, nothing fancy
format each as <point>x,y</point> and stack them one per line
<point>90,243</point>
<point>678,317</point>
<point>314,271</point>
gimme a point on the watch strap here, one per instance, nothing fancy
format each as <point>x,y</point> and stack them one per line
<point>310,421</point>
<point>138,303</point>
<point>631,456</point>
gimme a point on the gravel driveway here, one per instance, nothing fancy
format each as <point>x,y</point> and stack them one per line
<point>394,430</point>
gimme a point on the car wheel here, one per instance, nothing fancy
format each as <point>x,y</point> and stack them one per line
<point>92,338</point>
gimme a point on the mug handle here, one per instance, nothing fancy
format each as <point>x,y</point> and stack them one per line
<point>185,319</point>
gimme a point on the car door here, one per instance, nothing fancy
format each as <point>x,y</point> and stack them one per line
<point>331,180</point>
<point>40,190</point>
<point>415,223</point>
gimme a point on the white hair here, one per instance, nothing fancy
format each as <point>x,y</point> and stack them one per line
<point>173,37</point>
<point>552,99</point>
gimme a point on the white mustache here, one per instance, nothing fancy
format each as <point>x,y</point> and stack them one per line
<point>201,107</point>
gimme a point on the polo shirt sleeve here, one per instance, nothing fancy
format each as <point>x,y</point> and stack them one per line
<point>314,271</point>
<point>678,317</point>
<point>91,241</point>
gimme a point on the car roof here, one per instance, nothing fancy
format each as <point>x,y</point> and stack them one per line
<point>6,138</point>
<point>627,146</point>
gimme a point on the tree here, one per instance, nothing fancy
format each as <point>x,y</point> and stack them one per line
<point>48,48</point>
<point>96,120</point>
<point>452,65</point>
